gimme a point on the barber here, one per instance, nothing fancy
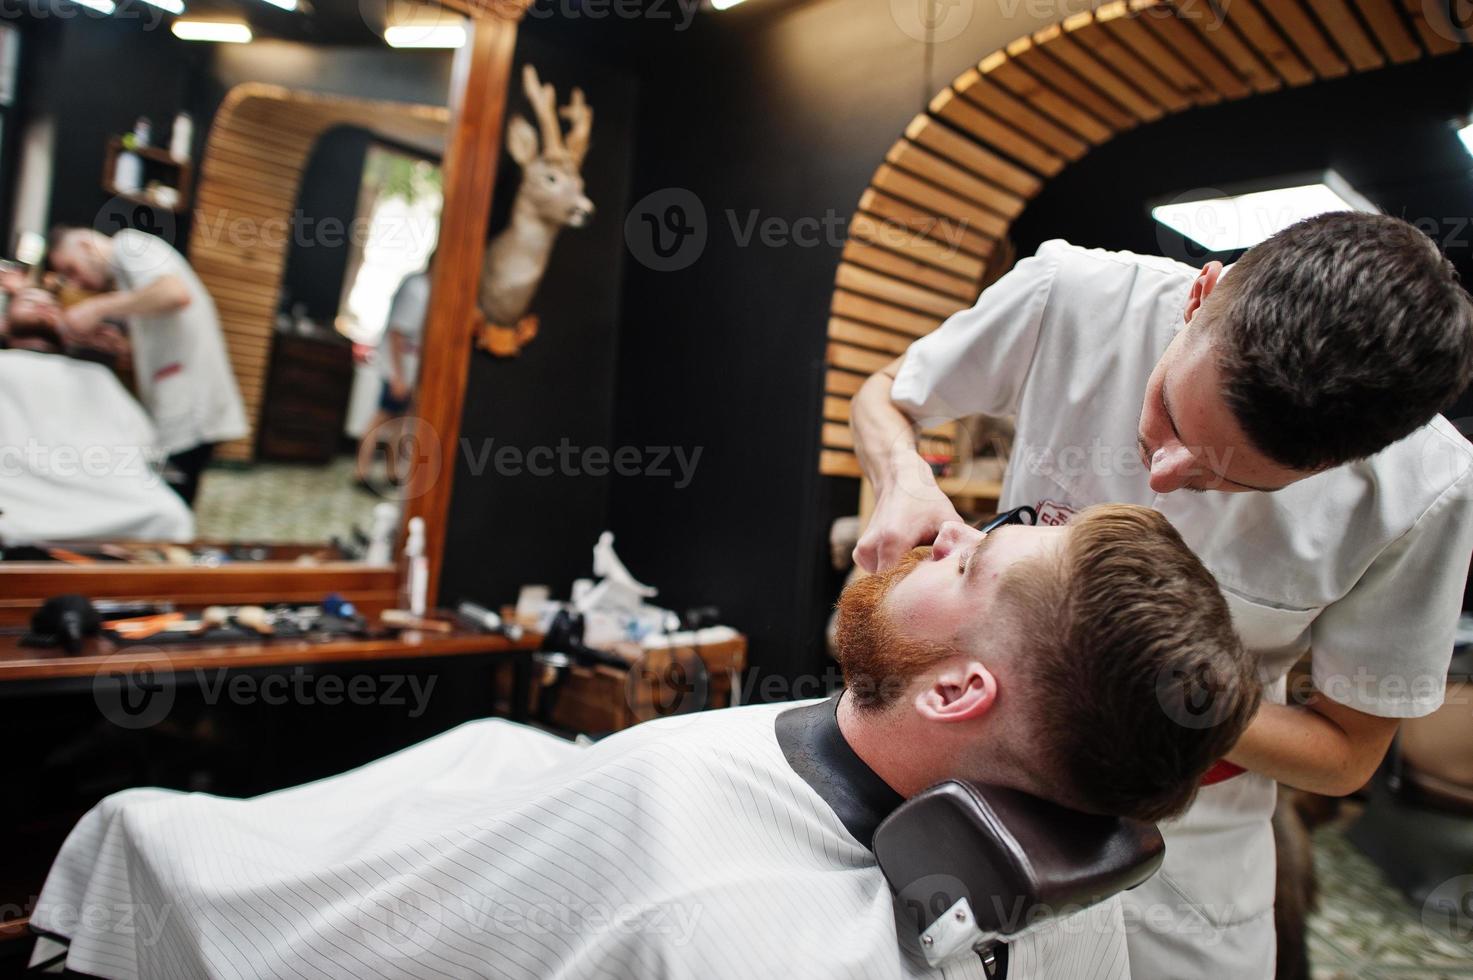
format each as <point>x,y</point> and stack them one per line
<point>1298,391</point>
<point>183,374</point>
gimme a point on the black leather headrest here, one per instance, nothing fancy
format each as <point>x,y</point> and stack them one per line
<point>971,864</point>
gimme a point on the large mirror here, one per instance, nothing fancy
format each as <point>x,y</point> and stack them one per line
<point>218,223</point>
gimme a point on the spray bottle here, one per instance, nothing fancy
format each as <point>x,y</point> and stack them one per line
<point>381,538</point>
<point>416,569</point>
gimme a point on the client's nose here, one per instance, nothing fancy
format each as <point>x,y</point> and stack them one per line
<point>953,535</point>
<point>1172,467</point>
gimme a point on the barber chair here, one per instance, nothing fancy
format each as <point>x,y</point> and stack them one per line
<point>973,867</point>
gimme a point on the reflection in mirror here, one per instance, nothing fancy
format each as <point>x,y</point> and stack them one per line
<point>215,275</point>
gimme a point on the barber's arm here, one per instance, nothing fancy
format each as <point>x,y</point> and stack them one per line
<point>165,294</point>
<point>1322,747</point>
<point>1379,654</point>
<point>909,507</point>
<point>977,362</point>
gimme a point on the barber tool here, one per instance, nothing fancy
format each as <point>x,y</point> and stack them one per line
<point>972,866</point>
<point>478,617</point>
<point>146,627</point>
<point>65,621</point>
<point>338,607</point>
<point>700,617</point>
<point>122,609</point>
<point>407,620</point>
<point>255,618</point>
<point>341,616</point>
<point>1014,516</point>
<point>563,648</point>
<point>565,637</point>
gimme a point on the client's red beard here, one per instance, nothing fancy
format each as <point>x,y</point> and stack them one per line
<point>878,661</point>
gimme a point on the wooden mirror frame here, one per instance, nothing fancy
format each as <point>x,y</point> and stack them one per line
<point>479,86</point>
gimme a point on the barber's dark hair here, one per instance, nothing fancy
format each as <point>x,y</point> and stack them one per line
<point>58,234</point>
<point>1340,335</point>
<point>1136,680</point>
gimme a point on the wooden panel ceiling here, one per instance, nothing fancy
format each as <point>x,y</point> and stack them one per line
<point>930,230</point>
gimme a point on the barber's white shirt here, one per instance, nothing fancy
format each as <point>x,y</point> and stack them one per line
<point>183,373</point>
<point>686,847</point>
<point>1364,564</point>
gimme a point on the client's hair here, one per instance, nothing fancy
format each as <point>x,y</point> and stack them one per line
<point>1137,682</point>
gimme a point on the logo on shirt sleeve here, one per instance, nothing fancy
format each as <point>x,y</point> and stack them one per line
<point>1054,514</point>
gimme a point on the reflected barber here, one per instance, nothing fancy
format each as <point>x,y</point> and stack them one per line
<point>183,372</point>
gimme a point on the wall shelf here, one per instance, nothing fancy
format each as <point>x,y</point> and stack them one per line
<point>157,165</point>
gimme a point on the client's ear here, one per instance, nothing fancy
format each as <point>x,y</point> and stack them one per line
<point>962,689</point>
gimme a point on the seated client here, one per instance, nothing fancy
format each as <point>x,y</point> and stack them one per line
<point>727,843</point>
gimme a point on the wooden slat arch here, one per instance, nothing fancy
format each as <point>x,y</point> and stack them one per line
<point>257,149</point>
<point>930,230</point>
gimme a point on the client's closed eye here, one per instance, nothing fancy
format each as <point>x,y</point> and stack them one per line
<point>968,560</point>
<point>965,559</point>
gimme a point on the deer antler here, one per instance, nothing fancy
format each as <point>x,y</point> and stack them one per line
<point>544,106</point>
<point>580,123</point>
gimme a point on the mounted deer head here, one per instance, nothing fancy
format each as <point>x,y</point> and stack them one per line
<point>551,184</point>
<point>550,196</point>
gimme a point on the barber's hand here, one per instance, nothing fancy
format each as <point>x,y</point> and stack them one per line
<point>14,280</point>
<point>110,340</point>
<point>81,323</point>
<point>903,519</point>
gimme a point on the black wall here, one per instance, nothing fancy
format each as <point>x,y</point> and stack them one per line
<point>510,527</point>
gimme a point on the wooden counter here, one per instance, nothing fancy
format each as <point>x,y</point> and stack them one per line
<point>18,663</point>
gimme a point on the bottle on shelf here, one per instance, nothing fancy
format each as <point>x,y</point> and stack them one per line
<point>128,168</point>
<point>181,137</point>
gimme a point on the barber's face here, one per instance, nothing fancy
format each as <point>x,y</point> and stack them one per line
<point>80,262</point>
<point>951,592</point>
<point>1189,438</point>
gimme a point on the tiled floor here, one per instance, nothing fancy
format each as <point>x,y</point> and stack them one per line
<point>1365,928</point>
<point>282,502</point>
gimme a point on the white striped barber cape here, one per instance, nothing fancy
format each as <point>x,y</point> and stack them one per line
<point>685,847</point>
